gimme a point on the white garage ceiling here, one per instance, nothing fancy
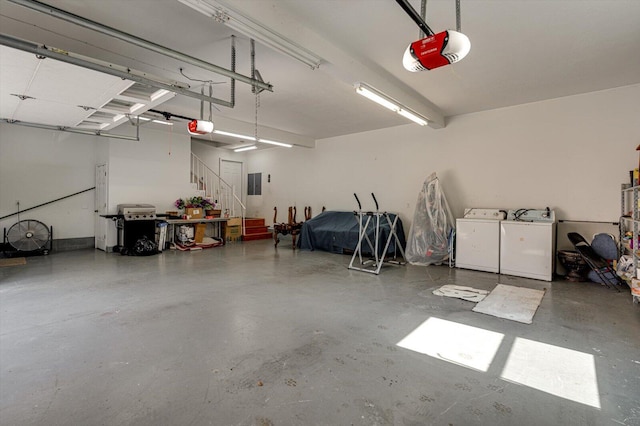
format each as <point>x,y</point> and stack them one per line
<point>522,51</point>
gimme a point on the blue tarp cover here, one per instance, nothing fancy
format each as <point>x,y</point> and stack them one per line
<point>337,232</point>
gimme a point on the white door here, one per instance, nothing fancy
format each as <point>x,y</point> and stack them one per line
<point>231,172</point>
<point>100,223</point>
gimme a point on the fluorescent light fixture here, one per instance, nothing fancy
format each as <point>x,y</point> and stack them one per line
<point>389,103</point>
<point>286,145</point>
<point>251,138</point>
<point>369,94</point>
<point>411,116</point>
<point>245,148</point>
<point>221,12</point>
<point>234,135</point>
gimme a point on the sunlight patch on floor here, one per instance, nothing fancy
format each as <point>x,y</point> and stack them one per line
<point>460,344</point>
<point>558,371</point>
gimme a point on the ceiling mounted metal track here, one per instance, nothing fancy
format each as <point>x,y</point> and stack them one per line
<point>137,41</point>
<point>74,130</point>
<point>127,74</point>
<point>409,10</point>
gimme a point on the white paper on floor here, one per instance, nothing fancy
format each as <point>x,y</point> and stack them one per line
<point>512,303</point>
<point>461,292</point>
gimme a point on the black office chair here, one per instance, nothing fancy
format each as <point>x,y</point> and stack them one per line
<point>599,265</point>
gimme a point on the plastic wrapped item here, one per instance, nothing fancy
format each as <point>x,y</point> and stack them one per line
<point>625,268</point>
<point>432,226</point>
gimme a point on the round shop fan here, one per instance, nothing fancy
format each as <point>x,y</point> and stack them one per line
<point>29,236</point>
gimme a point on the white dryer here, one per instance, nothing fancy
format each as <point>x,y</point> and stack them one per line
<point>478,240</point>
<point>527,240</point>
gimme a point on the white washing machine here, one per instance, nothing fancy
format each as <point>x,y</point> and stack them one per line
<point>527,239</point>
<point>478,240</point>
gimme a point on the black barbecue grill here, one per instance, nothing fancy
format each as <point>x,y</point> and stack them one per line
<point>134,222</point>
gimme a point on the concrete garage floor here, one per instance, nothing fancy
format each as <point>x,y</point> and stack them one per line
<point>249,335</point>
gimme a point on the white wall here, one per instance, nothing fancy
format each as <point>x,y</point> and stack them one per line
<point>154,170</point>
<point>37,166</point>
<point>41,165</point>
<point>570,154</point>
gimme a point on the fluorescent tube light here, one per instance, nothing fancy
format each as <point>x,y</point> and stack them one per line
<point>412,117</point>
<point>234,19</point>
<point>234,135</point>
<point>251,138</point>
<point>245,148</point>
<point>389,103</point>
<point>286,145</point>
<point>367,93</point>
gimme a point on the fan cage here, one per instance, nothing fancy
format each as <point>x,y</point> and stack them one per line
<point>29,236</point>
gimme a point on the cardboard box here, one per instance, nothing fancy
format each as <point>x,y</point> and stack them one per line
<point>234,221</point>
<point>195,213</point>
<point>233,233</point>
<point>199,234</point>
<point>635,286</point>
<point>213,213</point>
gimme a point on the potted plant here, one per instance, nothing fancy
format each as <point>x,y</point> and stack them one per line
<point>180,204</point>
<point>196,206</point>
<point>210,207</point>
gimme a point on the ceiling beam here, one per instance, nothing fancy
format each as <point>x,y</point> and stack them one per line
<point>137,41</point>
<point>110,69</point>
<point>343,65</point>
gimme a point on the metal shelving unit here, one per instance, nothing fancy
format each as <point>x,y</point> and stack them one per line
<point>629,200</point>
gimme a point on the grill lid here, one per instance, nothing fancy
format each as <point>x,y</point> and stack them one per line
<point>137,211</point>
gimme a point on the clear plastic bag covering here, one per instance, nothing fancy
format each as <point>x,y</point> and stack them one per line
<point>432,226</point>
